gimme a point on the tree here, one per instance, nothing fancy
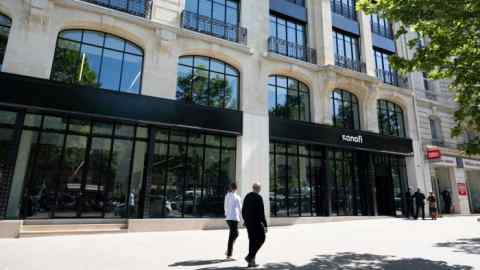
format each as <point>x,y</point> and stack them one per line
<point>452,51</point>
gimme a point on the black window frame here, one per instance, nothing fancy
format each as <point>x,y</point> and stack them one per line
<point>298,89</point>
<point>345,8</point>
<point>4,28</point>
<point>354,105</point>
<point>103,47</point>
<point>397,116</point>
<point>209,71</point>
<point>341,60</point>
<point>381,26</point>
<point>300,51</point>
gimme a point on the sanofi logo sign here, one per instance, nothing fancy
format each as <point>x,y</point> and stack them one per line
<point>352,139</point>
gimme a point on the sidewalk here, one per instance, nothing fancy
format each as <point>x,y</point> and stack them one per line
<point>449,243</point>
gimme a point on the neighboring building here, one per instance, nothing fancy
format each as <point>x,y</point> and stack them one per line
<point>148,109</point>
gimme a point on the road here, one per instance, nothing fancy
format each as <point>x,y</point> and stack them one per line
<point>448,243</point>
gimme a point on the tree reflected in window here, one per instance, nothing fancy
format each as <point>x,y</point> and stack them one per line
<point>99,60</point>
<point>288,98</point>
<point>390,119</point>
<point>207,81</point>
<point>345,111</point>
<point>5,24</point>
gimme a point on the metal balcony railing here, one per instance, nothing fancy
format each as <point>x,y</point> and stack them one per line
<point>392,78</point>
<point>141,8</point>
<point>212,27</point>
<point>344,62</point>
<point>343,9</point>
<point>297,2</point>
<point>382,30</point>
<point>293,50</point>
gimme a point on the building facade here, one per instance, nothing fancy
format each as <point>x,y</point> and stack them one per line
<point>148,109</point>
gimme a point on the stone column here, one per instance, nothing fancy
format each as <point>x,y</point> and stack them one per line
<point>323,35</point>
<point>366,45</point>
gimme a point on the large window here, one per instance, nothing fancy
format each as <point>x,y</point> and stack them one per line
<point>296,172</point>
<point>98,59</point>
<point>207,81</point>
<point>288,98</point>
<point>5,24</point>
<point>140,8</point>
<point>347,53</point>
<point>345,109</point>
<point>219,18</point>
<point>71,167</point>
<point>381,26</point>
<point>288,37</point>
<point>390,119</point>
<point>384,71</point>
<point>436,130</point>
<point>191,173</point>
<point>345,8</point>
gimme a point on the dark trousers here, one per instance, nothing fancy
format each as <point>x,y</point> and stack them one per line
<point>233,226</point>
<point>420,207</point>
<point>409,211</point>
<point>256,236</point>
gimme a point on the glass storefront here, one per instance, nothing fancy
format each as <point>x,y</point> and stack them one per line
<point>312,180</point>
<point>69,167</point>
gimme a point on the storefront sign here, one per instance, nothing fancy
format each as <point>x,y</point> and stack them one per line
<point>445,161</point>
<point>433,153</point>
<point>462,189</point>
<point>471,164</point>
<point>352,139</point>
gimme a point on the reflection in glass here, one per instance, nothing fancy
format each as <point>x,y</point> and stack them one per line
<point>288,98</point>
<point>5,24</point>
<point>345,109</point>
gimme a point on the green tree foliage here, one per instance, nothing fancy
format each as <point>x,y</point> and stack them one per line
<point>452,52</point>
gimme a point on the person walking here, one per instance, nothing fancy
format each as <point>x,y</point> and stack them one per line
<point>233,207</point>
<point>432,205</point>
<point>253,213</point>
<point>409,200</point>
<point>419,203</point>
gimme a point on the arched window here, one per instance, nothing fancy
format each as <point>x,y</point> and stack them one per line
<point>98,59</point>
<point>288,98</point>
<point>345,110</point>
<point>207,81</point>
<point>390,119</point>
<point>5,24</point>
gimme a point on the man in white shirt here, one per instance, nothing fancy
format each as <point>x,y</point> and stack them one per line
<point>233,208</point>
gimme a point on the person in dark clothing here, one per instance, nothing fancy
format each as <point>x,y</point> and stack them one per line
<point>447,201</point>
<point>432,204</point>
<point>419,203</point>
<point>253,214</point>
<point>409,201</point>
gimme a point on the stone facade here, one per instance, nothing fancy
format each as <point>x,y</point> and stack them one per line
<point>36,24</point>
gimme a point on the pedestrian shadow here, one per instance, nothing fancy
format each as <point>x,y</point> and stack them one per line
<point>351,261</point>
<point>469,246</point>
<point>199,262</point>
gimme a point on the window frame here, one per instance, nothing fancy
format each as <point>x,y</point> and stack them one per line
<point>298,90</point>
<point>7,29</point>
<point>300,28</point>
<point>209,71</point>
<point>103,48</point>
<point>384,106</point>
<point>354,104</point>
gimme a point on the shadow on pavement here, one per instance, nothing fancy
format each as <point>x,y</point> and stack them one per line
<point>199,262</point>
<point>350,261</point>
<point>469,246</point>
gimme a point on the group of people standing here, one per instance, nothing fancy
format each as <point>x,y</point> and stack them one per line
<point>418,199</point>
<point>253,214</point>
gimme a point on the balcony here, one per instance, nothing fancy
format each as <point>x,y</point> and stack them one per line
<point>140,8</point>
<point>344,62</point>
<point>212,27</point>
<point>382,30</point>
<point>342,9</point>
<point>392,78</point>
<point>293,50</point>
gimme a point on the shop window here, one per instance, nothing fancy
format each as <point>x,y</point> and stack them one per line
<point>207,81</point>
<point>98,59</point>
<point>345,107</point>
<point>5,25</point>
<point>288,98</point>
<point>390,119</point>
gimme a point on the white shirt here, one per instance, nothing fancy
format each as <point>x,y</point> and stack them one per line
<point>232,206</point>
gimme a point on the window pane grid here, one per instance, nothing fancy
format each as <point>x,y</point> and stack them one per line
<point>345,110</point>
<point>291,98</point>
<point>390,119</point>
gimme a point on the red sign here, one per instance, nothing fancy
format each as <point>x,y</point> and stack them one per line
<point>462,189</point>
<point>433,153</point>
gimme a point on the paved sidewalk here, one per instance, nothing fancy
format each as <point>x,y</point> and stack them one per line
<point>449,243</point>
